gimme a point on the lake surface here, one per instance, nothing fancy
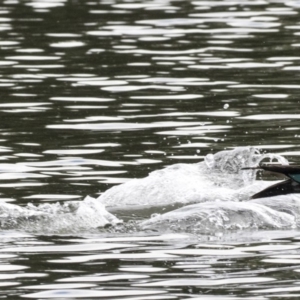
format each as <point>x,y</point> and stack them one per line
<point>97,93</point>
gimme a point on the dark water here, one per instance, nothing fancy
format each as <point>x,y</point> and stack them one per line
<point>94,93</point>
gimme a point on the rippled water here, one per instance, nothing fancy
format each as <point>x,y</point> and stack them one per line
<point>97,93</point>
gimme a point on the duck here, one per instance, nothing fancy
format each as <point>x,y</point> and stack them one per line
<point>288,186</point>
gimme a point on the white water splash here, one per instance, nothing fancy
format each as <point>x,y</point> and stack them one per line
<point>69,217</point>
<point>217,187</point>
<point>219,177</point>
<point>210,217</point>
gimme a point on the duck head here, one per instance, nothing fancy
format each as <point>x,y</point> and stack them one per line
<point>289,186</point>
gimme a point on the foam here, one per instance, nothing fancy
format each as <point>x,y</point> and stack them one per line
<point>218,177</point>
<point>211,217</point>
<point>69,217</point>
<point>202,198</point>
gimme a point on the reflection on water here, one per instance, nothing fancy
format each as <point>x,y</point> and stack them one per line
<point>167,266</point>
<point>95,93</point>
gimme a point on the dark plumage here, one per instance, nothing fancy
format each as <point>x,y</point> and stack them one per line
<point>289,186</point>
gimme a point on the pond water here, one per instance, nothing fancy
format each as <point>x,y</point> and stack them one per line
<point>97,93</point>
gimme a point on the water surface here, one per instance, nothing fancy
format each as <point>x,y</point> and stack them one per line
<point>96,93</point>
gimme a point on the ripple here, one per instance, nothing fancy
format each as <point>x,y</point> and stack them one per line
<point>68,163</point>
<point>229,3</point>
<point>67,248</point>
<point>22,275</point>
<point>138,88</point>
<point>26,104</point>
<point>154,38</point>
<point>271,117</point>
<point>123,256</point>
<point>134,30</point>
<point>72,151</point>
<point>84,293</point>
<point>121,126</point>
<point>283,58</point>
<point>139,64</point>
<point>59,286</point>
<point>138,5</point>
<point>9,268</point>
<point>9,43</point>
<point>228,14</point>
<point>141,269</point>
<point>183,52</point>
<point>21,184</point>
<point>37,67</point>
<point>93,119</point>
<point>7,283</point>
<point>275,96</point>
<point>102,145</point>
<point>192,145</point>
<point>42,4</point>
<point>67,44</point>
<point>194,131</point>
<point>257,65</point>
<point>116,11</point>
<point>63,35</point>
<point>280,86</point>
<point>96,95</point>
<point>82,99</point>
<point>52,197</point>
<point>293,67</point>
<point>168,97</point>
<point>30,50</point>
<point>83,77</point>
<point>9,176</point>
<point>32,57</point>
<point>104,278</point>
<point>277,290</point>
<point>207,282</point>
<point>7,63</point>
<point>102,82</point>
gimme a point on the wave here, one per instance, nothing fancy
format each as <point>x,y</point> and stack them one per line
<point>210,217</point>
<point>218,177</point>
<point>69,217</point>
<point>205,197</point>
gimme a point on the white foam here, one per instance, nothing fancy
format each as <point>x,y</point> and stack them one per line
<point>69,217</point>
<point>218,186</point>
<point>212,195</point>
<point>210,217</point>
<point>219,177</point>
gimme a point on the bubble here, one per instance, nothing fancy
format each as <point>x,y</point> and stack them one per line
<point>226,106</point>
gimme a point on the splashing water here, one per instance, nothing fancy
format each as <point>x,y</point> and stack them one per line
<point>210,217</point>
<point>194,183</point>
<point>201,198</point>
<point>69,217</point>
<point>231,162</point>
